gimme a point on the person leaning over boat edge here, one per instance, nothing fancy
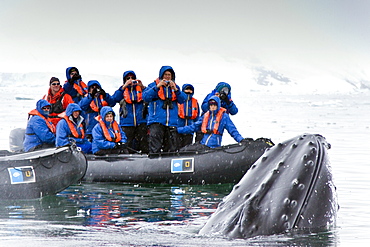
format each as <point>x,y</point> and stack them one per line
<point>40,131</point>
<point>163,95</point>
<point>132,111</point>
<point>188,114</point>
<point>212,124</point>
<point>71,129</point>
<point>74,86</point>
<point>108,138</point>
<point>58,99</point>
<point>92,103</point>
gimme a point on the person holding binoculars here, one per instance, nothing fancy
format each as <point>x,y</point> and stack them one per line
<point>92,104</point>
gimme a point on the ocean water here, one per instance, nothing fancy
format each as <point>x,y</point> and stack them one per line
<point>100,214</point>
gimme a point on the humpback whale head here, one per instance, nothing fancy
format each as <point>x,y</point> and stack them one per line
<point>290,187</point>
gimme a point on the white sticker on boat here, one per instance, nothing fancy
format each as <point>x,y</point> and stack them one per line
<point>182,165</point>
<point>22,174</point>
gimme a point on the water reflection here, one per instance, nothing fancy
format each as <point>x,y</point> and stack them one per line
<point>122,205</point>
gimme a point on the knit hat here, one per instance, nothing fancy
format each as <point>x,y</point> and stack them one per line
<point>53,79</point>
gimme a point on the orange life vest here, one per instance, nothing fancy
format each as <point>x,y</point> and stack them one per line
<point>73,128</point>
<point>135,92</point>
<point>161,93</point>
<point>47,120</point>
<point>194,109</point>
<point>117,134</point>
<point>95,107</point>
<point>81,88</point>
<point>219,114</point>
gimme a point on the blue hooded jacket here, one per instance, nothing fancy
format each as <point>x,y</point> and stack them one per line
<point>37,132</point>
<point>99,140</point>
<point>89,113</point>
<point>158,111</point>
<point>213,140</point>
<point>133,114</point>
<point>231,108</point>
<point>64,134</point>
<point>68,87</point>
<point>188,108</point>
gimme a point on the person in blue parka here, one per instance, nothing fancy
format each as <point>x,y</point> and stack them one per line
<point>91,105</point>
<point>108,138</point>
<point>74,86</point>
<point>212,124</point>
<point>163,95</point>
<point>223,91</point>
<point>40,131</point>
<point>188,114</point>
<point>133,112</point>
<point>71,129</point>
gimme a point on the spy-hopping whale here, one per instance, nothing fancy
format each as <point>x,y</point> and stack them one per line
<point>289,188</point>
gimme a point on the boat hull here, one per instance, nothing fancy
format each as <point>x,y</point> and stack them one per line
<point>227,164</point>
<point>40,173</point>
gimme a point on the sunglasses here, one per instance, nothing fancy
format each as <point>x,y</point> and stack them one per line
<point>74,73</point>
<point>55,84</point>
<point>129,77</point>
<point>46,108</point>
<point>212,103</point>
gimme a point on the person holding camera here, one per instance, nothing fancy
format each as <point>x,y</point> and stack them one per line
<point>163,95</point>
<point>108,138</point>
<point>133,112</point>
<point>74,86</point>
<point>93,103</point>
<point>223,91</point>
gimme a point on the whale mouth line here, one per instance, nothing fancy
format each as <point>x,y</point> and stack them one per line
<point>319,164</point>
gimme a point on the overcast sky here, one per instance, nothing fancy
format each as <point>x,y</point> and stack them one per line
<point>111,36</point>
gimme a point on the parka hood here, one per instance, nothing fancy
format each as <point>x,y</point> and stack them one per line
<point>104,111</point>
<point>188,86</point>
<point>68,73</point>
<point>40,104</point>
<point>71,108</point>
<point>126,73</point>
<point>93,82</point>
<point>164,69</point>
<point>221,85</point>
<point>217,99</point>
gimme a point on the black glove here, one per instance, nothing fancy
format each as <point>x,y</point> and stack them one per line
<point>74,78</point>
<point>120,145</point>
<point>102,92</point>
<point>224,98</point>
<point>93,93</point>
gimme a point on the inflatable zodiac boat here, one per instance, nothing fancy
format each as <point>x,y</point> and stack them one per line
<point>40,173</point>
<point>226,164</point>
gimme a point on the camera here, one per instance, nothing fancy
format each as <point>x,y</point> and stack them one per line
<point>134,82</point>
<point>98,90</point>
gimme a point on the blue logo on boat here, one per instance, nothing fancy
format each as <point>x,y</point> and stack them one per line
<point>23,174</point>
<point>182,165</point>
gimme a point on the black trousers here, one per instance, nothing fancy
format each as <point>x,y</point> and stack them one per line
<point>137,137</point>
<point>162,138</point>
<point>185,139</point>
